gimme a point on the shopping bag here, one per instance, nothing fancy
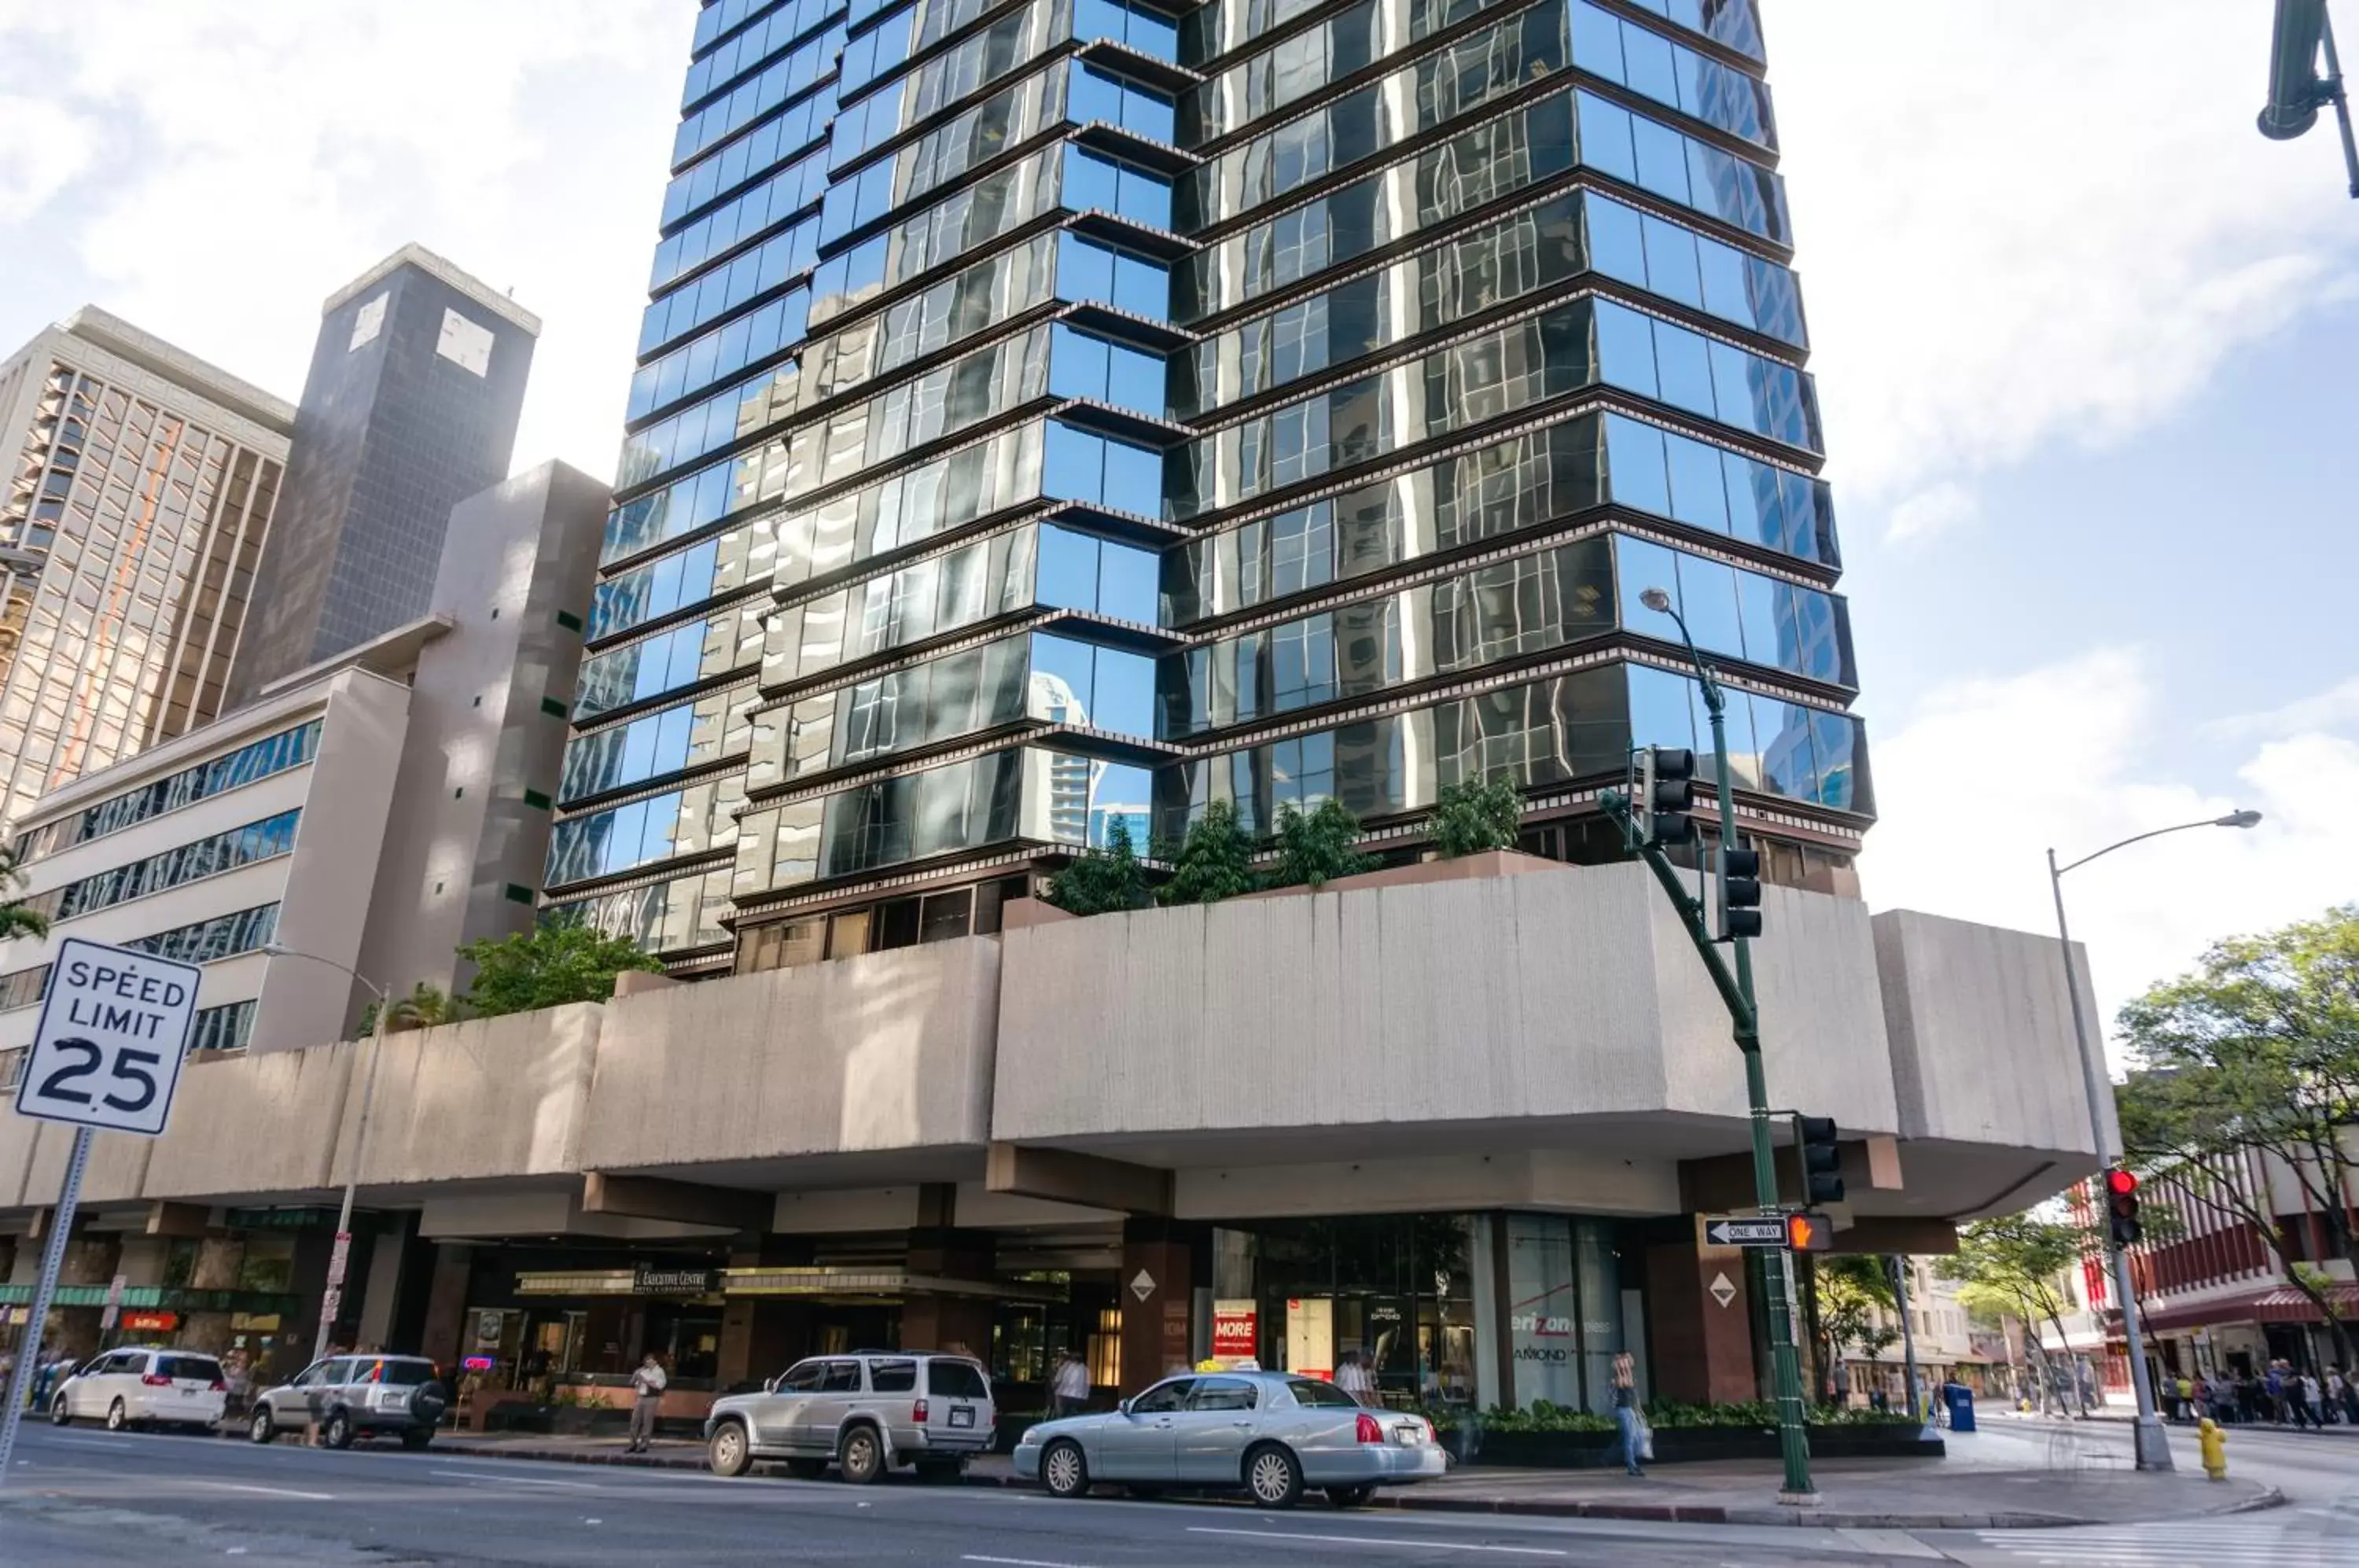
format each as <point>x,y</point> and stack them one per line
<point>1645,1440</point>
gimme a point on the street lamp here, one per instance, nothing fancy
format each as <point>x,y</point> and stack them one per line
<point>1793,1443</point>
<point>332,1300</point>
<point>2150,1442</point>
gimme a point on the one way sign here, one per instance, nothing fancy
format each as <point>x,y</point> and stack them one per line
<point>1728,1230</point>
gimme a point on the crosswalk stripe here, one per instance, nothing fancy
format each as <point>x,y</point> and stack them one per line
<point>2217,1544</point>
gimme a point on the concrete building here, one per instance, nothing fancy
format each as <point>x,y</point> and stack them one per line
<point>141,483</point>
<point>417,380</point>
<point>376,812</point>
<point>1474,1150</point>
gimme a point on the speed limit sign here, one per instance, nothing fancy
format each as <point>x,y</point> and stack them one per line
<point>112,1030</point>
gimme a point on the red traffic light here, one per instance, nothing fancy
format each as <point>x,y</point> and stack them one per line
<point>2121,1183</point>
<point>1808,1232</point>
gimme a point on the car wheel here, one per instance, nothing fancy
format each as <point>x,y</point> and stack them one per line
<point>729,1452</point>
<point>862,1457</point>
<point>1350,1497</point>
<point>118,1417</point>
<point>262,1429</point>
<point>61,1413</point>
<point>417,1437</point>
<point>1274,1476</point>
<point>1063,1470</point>
<point>338,1432</point>
<point>806,1469</point>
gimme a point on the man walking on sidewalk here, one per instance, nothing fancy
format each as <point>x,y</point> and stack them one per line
<point>1627,1420</point>
<point>647,1387</point>
<point>1069,1388</point>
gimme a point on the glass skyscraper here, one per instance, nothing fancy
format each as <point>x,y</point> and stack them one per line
<point>1069,412</point>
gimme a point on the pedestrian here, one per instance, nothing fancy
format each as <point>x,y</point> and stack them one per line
<point>2351,1397</point>
<point>1069,1386</point>
<point>2272,1400</point>
<point>647,1388</point>
<point>2313,1394</point>
<point>2248,1399</point>
<point>1351,1376</point>
<point>1843,1381</point>
<point>1628,1421</point>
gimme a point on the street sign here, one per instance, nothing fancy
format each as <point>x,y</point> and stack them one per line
<point>106,1058</point>
<point>112,1030</point>
<point>1722,1290</point>
<point>1142,1284</point>
<point>1730,1230</point>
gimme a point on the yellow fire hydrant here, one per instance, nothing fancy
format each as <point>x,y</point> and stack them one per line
<point>2215,1444</point>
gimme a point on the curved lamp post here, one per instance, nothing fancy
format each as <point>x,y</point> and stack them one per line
<point>339,1257</point>
<point>2151,1443</point>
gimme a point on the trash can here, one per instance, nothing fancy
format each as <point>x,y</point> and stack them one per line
<point>1961,1400</point>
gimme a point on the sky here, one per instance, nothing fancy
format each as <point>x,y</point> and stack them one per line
<point>2087,347</point>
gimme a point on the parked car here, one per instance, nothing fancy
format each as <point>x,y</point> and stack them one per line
<point>865,1414</point>
<point>350,1397</point>
<point>1270,1433</point>
<point>141,1387</point>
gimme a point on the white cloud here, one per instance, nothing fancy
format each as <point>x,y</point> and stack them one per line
<point>237,163</point>
<point>43,149</point>
<point>2029,222</point>
<point>1988,773</point>
<point>2337,708</point>
<point>1931,511</point>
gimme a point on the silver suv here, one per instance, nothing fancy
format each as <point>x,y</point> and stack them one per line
<point>864,1413</point>
<point>348,1396</point>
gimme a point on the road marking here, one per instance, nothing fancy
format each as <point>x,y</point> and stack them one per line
<point>1022,1562</point>
<point>1890,1543</point>
<point>517,1480</point>
<point>268,1491</point>
<point>1378,1540</point>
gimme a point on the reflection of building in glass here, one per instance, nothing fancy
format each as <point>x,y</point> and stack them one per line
<point>935,550</point>
<point>141,484</point>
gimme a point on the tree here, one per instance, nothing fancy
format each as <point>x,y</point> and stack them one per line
<point>1213,862</point>
<point>424,1008</point>
<point>16,919</point>
<point>1314,847</point>
<point>547,966</point>
<point>1476,814</point>
<point>2015,1266</point>
<point>1103,879</point>
<point>1854,1295</point>
<point>2250,1066</point>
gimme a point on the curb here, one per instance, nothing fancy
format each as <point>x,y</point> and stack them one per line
<point>1411,1502</point>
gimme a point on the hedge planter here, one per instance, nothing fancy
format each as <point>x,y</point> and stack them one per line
<point>1674,1446</point>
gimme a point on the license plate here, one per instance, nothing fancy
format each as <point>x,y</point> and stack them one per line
<point>191,1393</point>
<point>1406,1437</point>
<point>962,1416</point>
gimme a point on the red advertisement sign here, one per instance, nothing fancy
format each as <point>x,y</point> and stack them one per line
<point>151,1323</point>
<point>1236,1330</point>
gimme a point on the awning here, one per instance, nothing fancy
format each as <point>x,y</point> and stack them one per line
<point>2268,1305</point>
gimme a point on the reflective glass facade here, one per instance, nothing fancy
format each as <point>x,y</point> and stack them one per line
<point>1073,411</point>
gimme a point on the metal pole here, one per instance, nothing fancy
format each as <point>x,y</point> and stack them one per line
<point>1793,1440</point>
<point>2149,1442</point>
<point>54,1256</point>
<point>1899,1266</point>
<point>340,1257</point>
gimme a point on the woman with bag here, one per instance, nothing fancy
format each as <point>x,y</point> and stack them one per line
<point>1634,1440</point>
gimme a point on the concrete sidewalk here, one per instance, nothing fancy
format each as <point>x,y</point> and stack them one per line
<point>1993,1490</point>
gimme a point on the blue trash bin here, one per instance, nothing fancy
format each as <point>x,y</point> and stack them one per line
<point>1961,1400</point>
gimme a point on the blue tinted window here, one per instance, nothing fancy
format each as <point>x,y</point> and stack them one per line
<point>1660,710</point>
<point>1638,565</point>
<point>1077,364</point>
<point>1697,494</point>
<point>1068,570</point>
<point>1616,241</point>
<point>1128,583</point>
<point>1683,364</point>
<point>1625,350</point>
<point>1125,697</point>
<point>1606,139</point>
<point>1134,479</point>
<point>1707,598</point>
<point>1671,264</point>
<point>1084,271</point>
<point>1634,455</point>
<point>1072,464</point>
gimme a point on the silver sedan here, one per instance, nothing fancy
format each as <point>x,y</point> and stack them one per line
<point>1271,1433</point>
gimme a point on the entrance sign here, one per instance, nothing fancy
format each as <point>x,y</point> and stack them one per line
<point>1745,1231</point>
<point>105,1058</point>
<point>113,1028</point>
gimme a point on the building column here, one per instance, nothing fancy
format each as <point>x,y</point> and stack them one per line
<point>1157,1284</point>
<point>446,1304</point>
<point>381,1284</point>
<point>959,1323</point>
<point>1701,1346</point>
<point>761,1336</point>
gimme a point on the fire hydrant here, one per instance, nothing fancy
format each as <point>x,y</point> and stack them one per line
<point>2215,1444</point>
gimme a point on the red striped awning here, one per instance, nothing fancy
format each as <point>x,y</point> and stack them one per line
<point>2268,1305</point>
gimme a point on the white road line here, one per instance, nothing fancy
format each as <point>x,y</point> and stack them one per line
<point>1285,1535</point>
<point>517,1480</point>
<point>268,1491</point>
<point>1022,1562</point>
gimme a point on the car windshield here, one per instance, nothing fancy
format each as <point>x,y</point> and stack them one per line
<point>201,1368</point>
<point>956,1380</point>
<point>392,1370</point>
<point>1310,1391</point>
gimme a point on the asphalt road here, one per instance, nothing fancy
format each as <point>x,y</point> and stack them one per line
<point>92,1500</point>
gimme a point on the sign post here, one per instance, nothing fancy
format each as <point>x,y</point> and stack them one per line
<point>107,1058</point>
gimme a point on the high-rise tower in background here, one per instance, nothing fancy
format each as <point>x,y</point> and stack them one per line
<point>141,483</point>
<point>1057,411</point>
<point>410,407</point>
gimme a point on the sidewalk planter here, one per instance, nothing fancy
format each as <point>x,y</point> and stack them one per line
<point>1695,1444</point>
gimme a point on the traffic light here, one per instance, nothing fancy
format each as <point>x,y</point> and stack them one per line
<point>1665,795</point>
<point>1808,1232</point>
<point>1822,1180</point>
<point>1740,897</point>
<point>2122,1207</point>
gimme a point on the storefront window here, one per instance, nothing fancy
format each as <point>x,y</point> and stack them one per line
<point>1564,1310</point>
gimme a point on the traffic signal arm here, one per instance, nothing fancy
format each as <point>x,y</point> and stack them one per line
<point>1690,913</point>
